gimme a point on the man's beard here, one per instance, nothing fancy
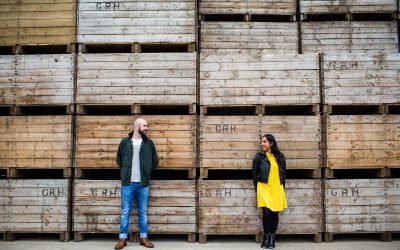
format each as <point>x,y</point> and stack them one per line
<point>142,133</point>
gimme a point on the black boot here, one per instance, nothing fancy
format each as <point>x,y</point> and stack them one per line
<point>272,241</point>
<point>266,241</point>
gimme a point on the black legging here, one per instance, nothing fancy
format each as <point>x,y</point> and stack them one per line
<point>270,221</point>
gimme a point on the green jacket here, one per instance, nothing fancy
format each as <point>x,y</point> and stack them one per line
<point>148,159</point>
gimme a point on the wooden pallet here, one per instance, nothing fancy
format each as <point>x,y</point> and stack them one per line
<point>384,236</point>
<point>146,78</point>
<point>136,21</point>
<point>35,206</point>
<point>11,236</point>
<point>98,137</point>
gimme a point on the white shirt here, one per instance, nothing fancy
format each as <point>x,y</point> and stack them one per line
<point>135,176</point>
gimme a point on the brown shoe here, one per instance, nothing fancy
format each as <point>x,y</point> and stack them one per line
<point>145,242</point>
<point>121,243</point>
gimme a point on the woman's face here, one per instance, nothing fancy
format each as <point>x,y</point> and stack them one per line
<point>265,145</point>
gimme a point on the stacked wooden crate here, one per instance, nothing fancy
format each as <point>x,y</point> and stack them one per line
<point>35,206</point>
<point>39,89</point>
<point>250,31</point>
<point>360,69</point>
<point>158,83</point>
<point>249,65</point>
<point>171,207</point>
<point>37,22</point>
<point>132,21</point>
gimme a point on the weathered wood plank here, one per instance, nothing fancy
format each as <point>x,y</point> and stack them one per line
<point>136,21</point>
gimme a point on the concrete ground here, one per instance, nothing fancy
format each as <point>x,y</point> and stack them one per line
<point>106,242</point>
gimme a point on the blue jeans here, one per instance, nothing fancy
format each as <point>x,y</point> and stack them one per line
<point>127,195</point>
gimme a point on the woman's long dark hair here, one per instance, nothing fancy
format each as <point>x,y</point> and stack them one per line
<point>280,158</point>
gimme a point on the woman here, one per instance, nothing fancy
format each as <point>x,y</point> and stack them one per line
<point>269,175</point>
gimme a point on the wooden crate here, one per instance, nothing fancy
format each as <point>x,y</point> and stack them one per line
<point>36,142</point>
<point>171,207</point>
<point>362,206</point>
<point>354,6</point>
<point>230,207</point>
<point>363,141</point>
<point>131,21</point>
<point>37,79</point>
<point>35,206</point>
<point>230,37</point>
<point>154,78</point>
<point>282,7</point>
<point>37,22</point>
<point>231,142</point>
<point>349,37</point>
<point>361,78</point>
<point>259,78</point>
<point>98,137</point>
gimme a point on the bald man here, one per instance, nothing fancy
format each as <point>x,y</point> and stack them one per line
<point>137,158</point>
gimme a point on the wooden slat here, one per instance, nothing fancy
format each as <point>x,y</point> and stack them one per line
<point>171,207</point>
<point>354,6</point>
<point>229,37</point>
<point>350,140</point>
<point>362,205</point>
<point>229,207</point>
<point>36,142</point>
<point>136,21</point>
<point>260,78</point>
<point>281,7</point>
<point>361,78</point>
<point>30,22</point>
<point>349,37</point>
<point>231,142</point>
<point>162,78</point>
<point>98,138</point>
<point>34,205</point>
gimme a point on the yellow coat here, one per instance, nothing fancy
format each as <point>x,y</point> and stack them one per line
<point>272,194</point>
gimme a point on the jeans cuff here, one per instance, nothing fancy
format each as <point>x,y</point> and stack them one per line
<point>123,236</point>
<point>143,235</point>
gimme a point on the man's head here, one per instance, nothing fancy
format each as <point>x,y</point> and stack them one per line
<point>140,126</point>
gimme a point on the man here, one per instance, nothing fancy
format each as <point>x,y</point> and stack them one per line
<point>137,158</point>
